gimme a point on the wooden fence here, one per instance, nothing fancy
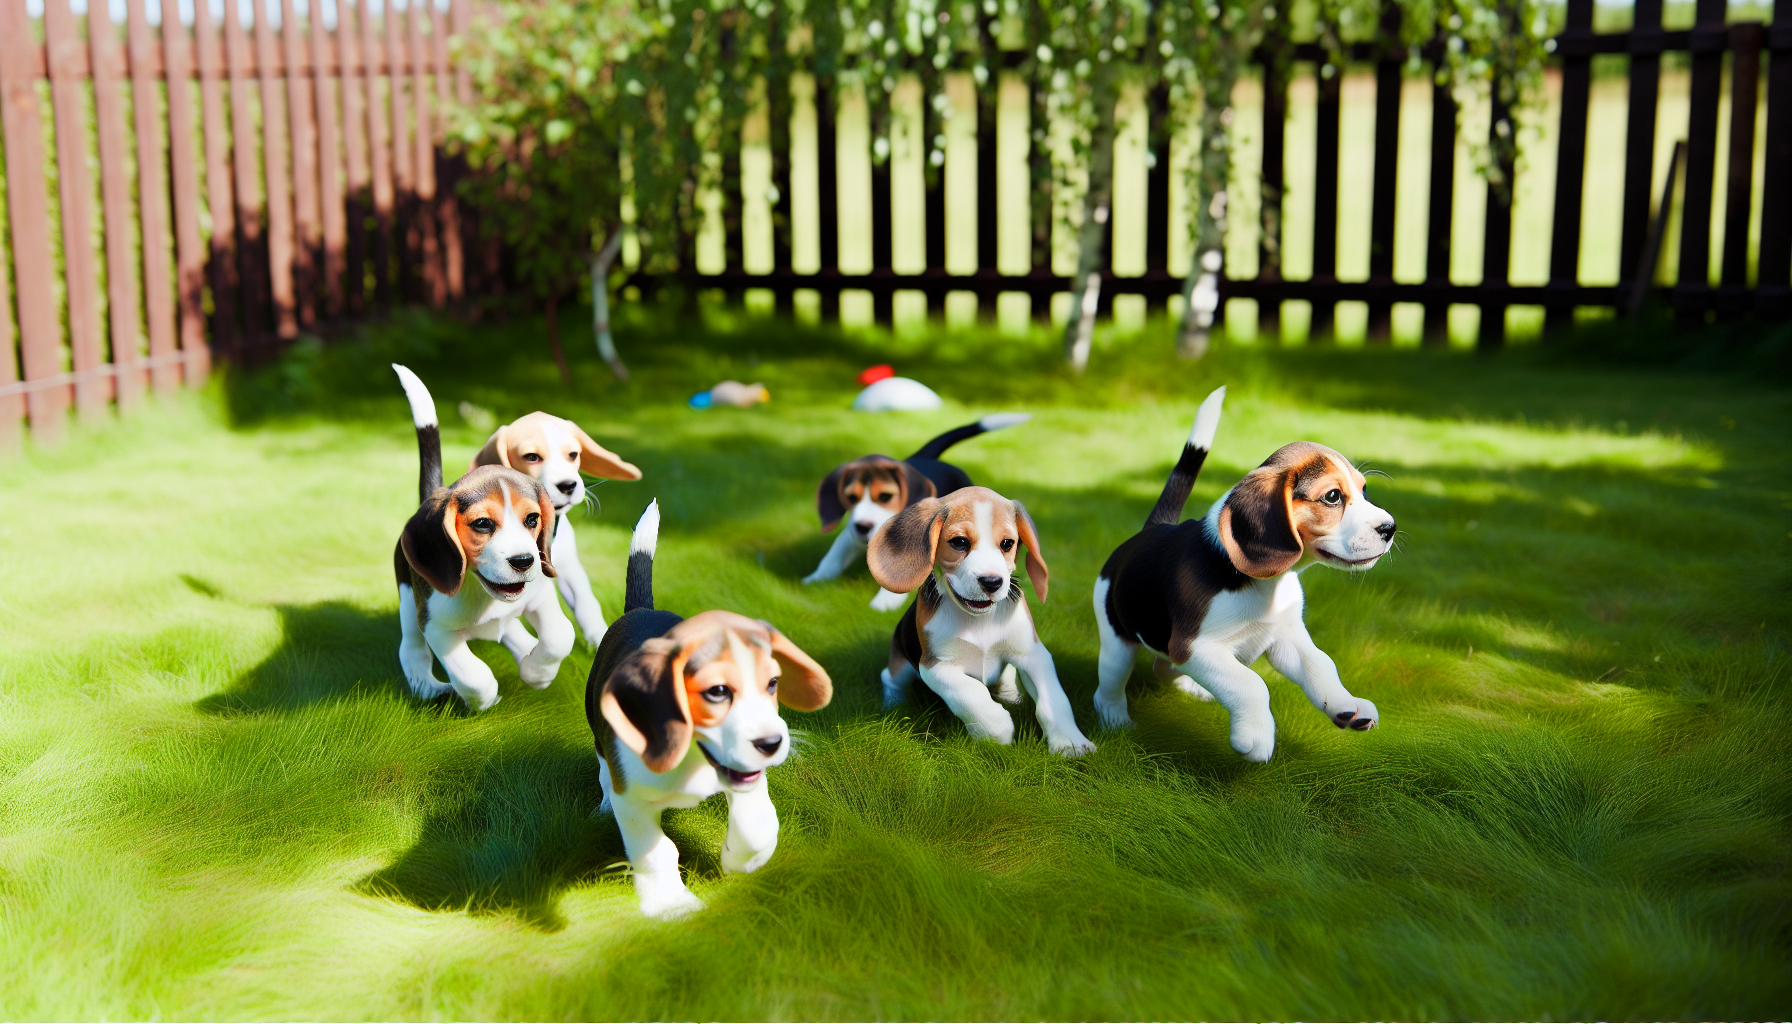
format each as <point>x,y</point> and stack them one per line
<point>336,200</point>
<point>305,185</point>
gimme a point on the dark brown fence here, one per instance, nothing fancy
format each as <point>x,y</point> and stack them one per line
<point>323,189</point>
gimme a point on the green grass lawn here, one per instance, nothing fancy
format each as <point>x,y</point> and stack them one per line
<point>218,801</point>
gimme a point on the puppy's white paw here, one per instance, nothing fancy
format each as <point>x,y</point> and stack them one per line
<point>1355,713</point>
<point>1113,714</point>
<point>537,675</point>
<point>670,904</point>
<point>888,601</point>
<point>1255,740</point>
<point>817,577</point>
<point>1071,746</point>
<point>1188,685</point>
<point>743,862</point>
<point>596,637</point>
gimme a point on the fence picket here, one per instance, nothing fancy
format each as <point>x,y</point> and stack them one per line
<point>105,62</point>
<point>62,46</point>
<point>423,163</point>
<point>1441,203</point>
<point>1571,155</point>
<point>152,197</point>
<point>189,254</point>
<point>1745,78</point>
<point>28,214</point>
<point>1646,41</point>
<point>307,230</point>
<point>379,147</point>
<point>275,135</point>
<point>1692,294</point>
<point>1384,190</point>
<point>326,72</point>
<point>251,248</point>
<point>1774,265</point>
<point>1325,197</point>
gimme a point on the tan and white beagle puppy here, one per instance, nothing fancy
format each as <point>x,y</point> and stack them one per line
<point>867,491</point>
<point>472,562</point>
<point>1210,596</point>
<point>683,709</point>
<point>969,620</point>
<point>556,452</point>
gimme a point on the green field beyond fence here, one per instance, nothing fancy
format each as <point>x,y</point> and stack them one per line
<point>217,801</point>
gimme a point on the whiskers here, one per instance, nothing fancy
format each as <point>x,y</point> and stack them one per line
<point>592,505</point>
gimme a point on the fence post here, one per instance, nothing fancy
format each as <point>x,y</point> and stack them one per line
<point>423,163</point>
<point>827,187</point>
<point>104,63</point>
<point>28,209</point>
<point>307,218</point>
<point>1647,40</point>
<point>251,250</point>
<point>189,252</point>
<point>1745,77</point>
<point>883,294</point>
<point>404,182</point>
<point>1274,59</point>
<point>1387,168</point>
<point>1496,251</point>
<point>276,135</point>
<point>379,60</point>
<point>1692,292</point>
<point>1442,206</point>
<point>63,51</point>
<point>1325,198</point>
<point>326,66</point>
<point>152,194</point>
<point>1571,155</point>
<point>1773,292</point>
<point>223,266</point>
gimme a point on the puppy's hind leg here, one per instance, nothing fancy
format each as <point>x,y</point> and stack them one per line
<point>575,586</point>
<point>1113,667</point>
<point>1162,669</point>
<point>414,656</point>
<point>847,547</point>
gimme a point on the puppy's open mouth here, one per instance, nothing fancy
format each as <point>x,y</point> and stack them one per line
<point>1341,560</point>
<point>738,778</point>
<point>981,604</point>
<point>505,589</point>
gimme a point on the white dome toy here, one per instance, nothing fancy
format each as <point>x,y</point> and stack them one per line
<point>897,394</point>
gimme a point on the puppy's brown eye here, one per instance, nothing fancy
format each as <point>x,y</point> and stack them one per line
<point>959,544</point>
<point>531,457</point>
<point>1008,545</point>
<point>572,456</point>
<point>885,497</point>
<point>482,525</point>
<point>718,694</point>
<point>1333,496</point>
<point>772,687</point>
<point>532,520</point>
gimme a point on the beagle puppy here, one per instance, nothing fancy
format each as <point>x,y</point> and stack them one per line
<point>868,491</point>
<point>683,709</point>
<point>471,563</point>
<point>556,452</point>
<point>969,620</point>
<point>1209,596</point>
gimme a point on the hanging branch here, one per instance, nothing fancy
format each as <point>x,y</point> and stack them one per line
<point>601,262</point>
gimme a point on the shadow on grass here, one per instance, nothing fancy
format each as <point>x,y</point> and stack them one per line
<point>327,651</point>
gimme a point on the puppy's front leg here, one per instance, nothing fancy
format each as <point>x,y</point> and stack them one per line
<point>1040,676</point>
<point>653,859</point>
<point>847,547</point>
<point>470,676</point>
<point>1113,666</point>
<point>969,699</point>
<point>1242,693</point>
<point>752,830</point>
<point>554,640</point>
<point>413,650</point>
<point>574,585</point>
<point>1294,654</point>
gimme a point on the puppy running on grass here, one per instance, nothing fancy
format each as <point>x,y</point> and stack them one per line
<point>683,709</point>
<point>1210,596</point>
<point>969,622</point>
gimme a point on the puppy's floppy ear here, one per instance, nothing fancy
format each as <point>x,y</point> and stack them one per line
<point>645,703</point>
<point>544,533</point>
<point>495,452</point>
<point>916,486</point>
<point>1257,524</point>
<point>1029,537</point>
<point>431,543</point>
<point>827,500</point>
<point>902,550</point>
<point>596,460</point>
<point>803,684</point>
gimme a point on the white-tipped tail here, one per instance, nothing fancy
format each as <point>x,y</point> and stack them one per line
<point>423,407</point>
<point>1207,420</point>
<point>999,420</point>
<point>647,531</point>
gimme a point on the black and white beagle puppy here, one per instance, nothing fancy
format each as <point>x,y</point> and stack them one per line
<point>494,526</point>
<point>970,620</point>
<point>1211,595</point>
<point>869,490</point>
<point>556,452</point>
<point>683,709</point>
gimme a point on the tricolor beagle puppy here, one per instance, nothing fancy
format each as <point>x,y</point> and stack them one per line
<point>555,452</point>
<point>683,709</point>
<point>493,527</point>
<point>870,490</point>
<point>1211,595</point>
<point>970,621</point>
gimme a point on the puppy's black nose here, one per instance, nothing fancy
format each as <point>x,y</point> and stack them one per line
<point>991,584</point>
<point>768,745</point>
<point>566,486</point>
<point>863,528</point>
<point>1386,530</point>
<point>521,563</point>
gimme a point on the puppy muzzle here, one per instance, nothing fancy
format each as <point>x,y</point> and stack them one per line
<point>733,778</point>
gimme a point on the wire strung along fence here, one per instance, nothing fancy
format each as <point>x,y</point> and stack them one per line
<point>275,172</point>
<point>263,172</point>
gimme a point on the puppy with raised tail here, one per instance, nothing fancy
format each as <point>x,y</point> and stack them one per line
<point>969,621</point>
<point>556,452</point>
<point>868,491</point>
<point>683,709</point>
<point>1208,597</point>
<point>472,563</point>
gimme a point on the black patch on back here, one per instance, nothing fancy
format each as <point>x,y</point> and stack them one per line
<point>1163,580</point>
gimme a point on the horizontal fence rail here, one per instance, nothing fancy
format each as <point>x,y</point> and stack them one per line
<point>267,174</point>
